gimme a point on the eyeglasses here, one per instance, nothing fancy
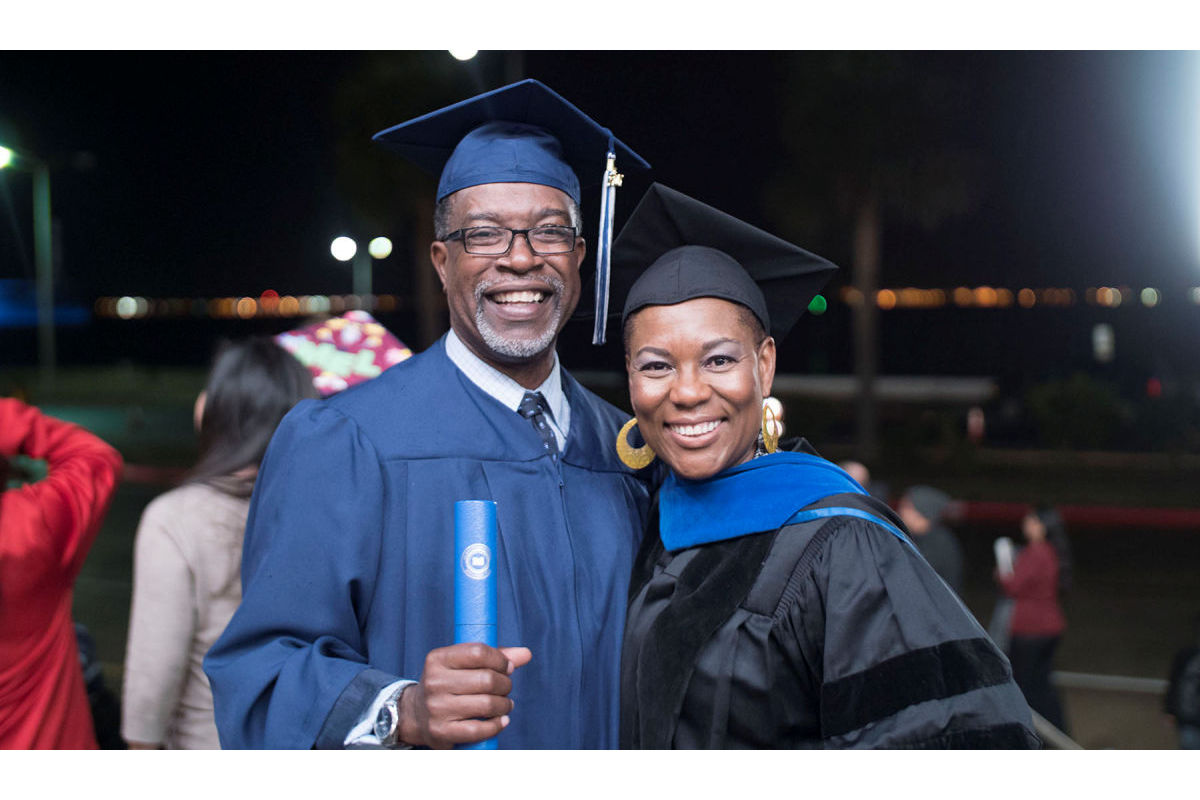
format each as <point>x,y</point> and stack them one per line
<point>544,240</point>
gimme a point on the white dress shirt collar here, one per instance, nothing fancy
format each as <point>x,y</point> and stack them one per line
<point>495,383</point>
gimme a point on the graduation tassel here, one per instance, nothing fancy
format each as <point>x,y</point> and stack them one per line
<point>608,196</point>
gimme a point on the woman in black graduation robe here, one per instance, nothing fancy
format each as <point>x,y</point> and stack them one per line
<point>831,632</point>
<point>774,603</point>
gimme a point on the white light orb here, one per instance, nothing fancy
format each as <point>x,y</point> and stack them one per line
<point>343,248</point>
<point>126,308</point>
<point>464,55</point>
<point>380,247</point>
<point>1103,343</point>
<point>6,157</point>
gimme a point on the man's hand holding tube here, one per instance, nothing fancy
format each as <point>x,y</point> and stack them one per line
<point>462,696</point>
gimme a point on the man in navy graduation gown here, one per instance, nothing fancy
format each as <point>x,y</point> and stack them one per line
<point>343,637</point>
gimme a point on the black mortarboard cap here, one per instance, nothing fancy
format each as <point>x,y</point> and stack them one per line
<point>521,133</point>
<point>676,248</point>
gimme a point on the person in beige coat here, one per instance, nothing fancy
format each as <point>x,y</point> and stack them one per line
<point>188,549</point>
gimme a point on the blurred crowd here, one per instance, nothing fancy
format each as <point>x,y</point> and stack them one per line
<point>186,581</point>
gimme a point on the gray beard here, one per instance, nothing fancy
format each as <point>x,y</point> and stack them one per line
<point>519,348</point>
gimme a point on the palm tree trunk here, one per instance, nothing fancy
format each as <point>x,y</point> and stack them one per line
<point>867,247</point>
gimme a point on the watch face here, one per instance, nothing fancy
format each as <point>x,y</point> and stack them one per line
<point>385,724</point>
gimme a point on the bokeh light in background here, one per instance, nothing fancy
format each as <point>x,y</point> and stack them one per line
<point>268,304</point>
<point>1103,343</point>
<point>271,304</point>
<point>343,248</point>
<point>1108,296</point>
<point>126,308</point>
<point>985,296</point>
<point>380,247</point>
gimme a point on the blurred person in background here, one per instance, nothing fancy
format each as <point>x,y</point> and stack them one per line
<point>1182,701</point>
<point>858,471</point>
<point>923,510</point>
<point>188,549</point>
<point>1041,573</point>
<point>103,701</point>
<point>46,530</point>
<point>862,474</point>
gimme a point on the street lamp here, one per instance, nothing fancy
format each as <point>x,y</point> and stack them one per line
<point>344,249</point>
<point>41,253</point>
<point>513,65</point>
<point>380,247</point>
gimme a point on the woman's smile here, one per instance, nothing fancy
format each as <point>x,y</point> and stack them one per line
<point>693,433</point>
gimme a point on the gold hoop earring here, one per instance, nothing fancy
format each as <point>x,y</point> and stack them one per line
<point>632,457</point>
<point>771,428</point>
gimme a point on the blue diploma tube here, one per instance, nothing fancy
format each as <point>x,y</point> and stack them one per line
<point>475,580</point>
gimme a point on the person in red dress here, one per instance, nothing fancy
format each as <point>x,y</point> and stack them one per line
<point>46,530</point>
<point>1041,571</point>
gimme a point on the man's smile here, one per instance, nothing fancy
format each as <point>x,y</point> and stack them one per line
<point>518,296</point>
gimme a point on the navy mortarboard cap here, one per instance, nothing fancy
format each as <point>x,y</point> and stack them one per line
<point>521,133</point>
<point>675,248</point>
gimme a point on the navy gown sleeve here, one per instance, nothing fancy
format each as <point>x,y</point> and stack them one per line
<point>900,661</point>
<point>281,674</point>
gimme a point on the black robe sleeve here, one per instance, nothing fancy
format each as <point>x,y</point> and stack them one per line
<point>902,662</point>
<point>827,634</point>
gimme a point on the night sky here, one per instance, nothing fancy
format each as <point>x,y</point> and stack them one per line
<point>225,173</point>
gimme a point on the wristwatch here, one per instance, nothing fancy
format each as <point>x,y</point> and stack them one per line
<point>387,721</point>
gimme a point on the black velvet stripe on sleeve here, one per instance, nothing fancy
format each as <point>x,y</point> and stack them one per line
<point>354,701</point>
<point>931,673</point>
